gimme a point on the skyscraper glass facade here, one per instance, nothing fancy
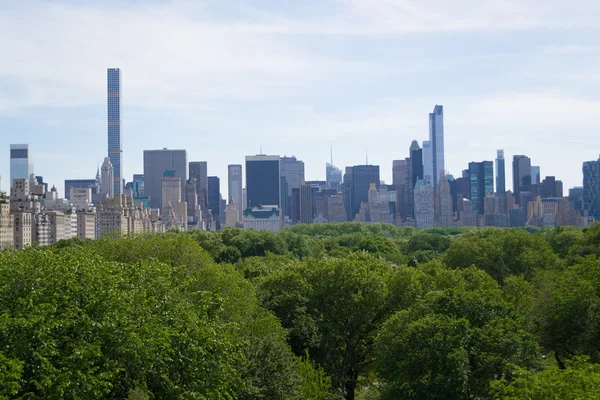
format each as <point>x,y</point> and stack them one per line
<point>481,182</point>
<point>115,139</point>
<point>20,163</point>
<point>262,181</point>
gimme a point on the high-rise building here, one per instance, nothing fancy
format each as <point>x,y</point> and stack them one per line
<point>423,193</point>
<point>214,199</point>
<point>6,223</point>
<point>156,162</point>
<point>347,193</point>
<point>171,188</point>
<point>80,183</point>
<point>444,199</point>
<point>306,203</point>
<point>427,162</point>
<point>21,166</point>
<point>414,171</point>
<point>481,183</point>
<point>107,173</point>
<point>263,181</point>
<point>333,176</point>
<point>234,186</point>
<point>500,173</point>
<point>521,178</point>
<point>291,175</point>
<point>199,172</point>
<point>436,137</point>
<point>591,188</point>
<point>115,137</point>
<point>362,177</point>
<point>535,175</point>
<point>399,181</point>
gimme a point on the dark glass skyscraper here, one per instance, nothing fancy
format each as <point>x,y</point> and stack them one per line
<point>262,181</point>
<point>521,177</point>
<point>481,182</point>
<point>500,173</point>
<point>362,177</point>
<point>591,188</point>
<point>115,138</point>
<point>214,199</point>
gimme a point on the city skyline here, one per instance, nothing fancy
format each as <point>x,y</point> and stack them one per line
<point>285,79</point>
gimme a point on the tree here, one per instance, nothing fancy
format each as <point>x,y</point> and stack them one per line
<point>501,253</point>
<point>452,344</point>
<point>581,380</point>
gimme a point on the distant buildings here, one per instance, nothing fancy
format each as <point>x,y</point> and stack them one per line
<point>500,172</point>
<point>262,181</point>
<point>234,189</point>
<point>436,137</point>
<point>107,178</point>
<point>156,162</point>
<point>362,178</point>
<point>115,138</point>
<point>481,183</point>
<point>291,177</point>
<point>21,166</point>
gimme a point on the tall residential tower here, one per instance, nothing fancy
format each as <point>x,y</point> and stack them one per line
<point>436,138</point>
<point>115,138</point>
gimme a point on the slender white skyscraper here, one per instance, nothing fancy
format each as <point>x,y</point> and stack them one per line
<point>107,171</point>
<point>436,137</point>
<point>427,162</point>
<point>21,166</point>
<point>115,138</point>
<point>234,188</point>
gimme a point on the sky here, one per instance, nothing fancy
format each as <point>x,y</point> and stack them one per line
<point>223,79</point>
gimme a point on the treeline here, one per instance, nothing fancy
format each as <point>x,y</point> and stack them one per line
<point>319,311</point>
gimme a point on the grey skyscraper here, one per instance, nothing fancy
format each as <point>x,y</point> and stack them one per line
<point>333,176</point>
<point>500,173</point>
<point>115,137</point>
<point>291,174</point>
<point>521,178</point>
<point>199,172</point>
<point>21,166</point>
<point>427,160</point>
<point>107,173</point>
<point>156,162</point>
<point>262,181</point>
<point>234,186</point>
<point>436,137</point>
<point>481,183</point>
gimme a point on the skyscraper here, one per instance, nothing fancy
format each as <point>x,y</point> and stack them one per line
<point>535,175</point>
<point>414,171</point>
<point>171,188</point>
<point>199,172</point>
<point>107,173</point>
<point>21,166</point>
<point>262,181</point>
<point>436,137</point>
<point>306,203</point>
<point>521,178</point>
<point>481,183</point>
<point>427,162</point>
<point>214,199</point>
<point>234,187</point>
<point>333,176</point>
<point>423,201</point>
<point>291,174</point>
<point>399,180</point>
<point>362,177</point>
<point>591,188</point>
<point>115,137</point>
<point>156,162</point>
<point>500,173</point>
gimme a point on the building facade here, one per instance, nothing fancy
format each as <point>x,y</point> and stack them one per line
<point>156,162</point>
<point>436,137</point>
<point>21,166</point>
<point>115,137</point>
<point>234,188</point>
<point>263,181</point>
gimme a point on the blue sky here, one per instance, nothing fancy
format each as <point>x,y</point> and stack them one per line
<point>223,78</point>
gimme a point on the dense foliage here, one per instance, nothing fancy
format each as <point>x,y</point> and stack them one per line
<point>320,311</point>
